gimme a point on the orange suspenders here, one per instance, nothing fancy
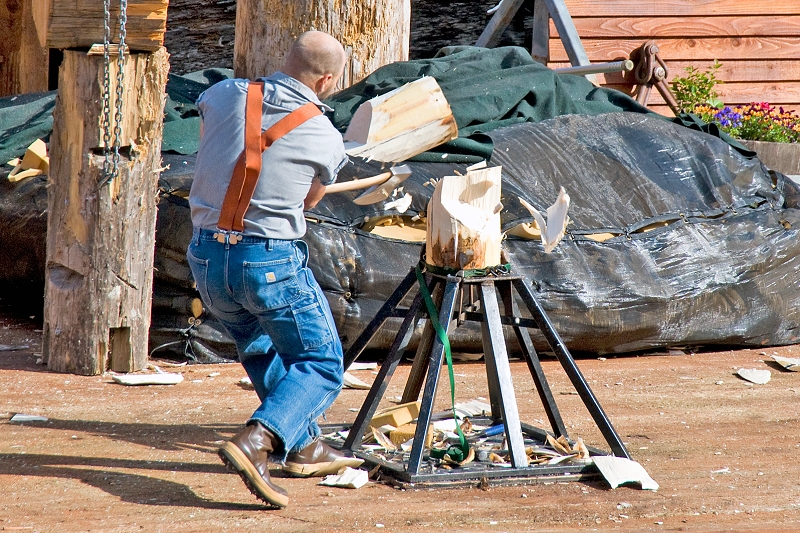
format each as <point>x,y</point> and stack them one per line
<point>248,167</point>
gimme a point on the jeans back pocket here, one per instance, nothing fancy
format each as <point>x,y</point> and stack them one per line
<point>270,285</point>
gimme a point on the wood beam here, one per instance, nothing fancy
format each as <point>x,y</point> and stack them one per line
<point>79,23</point>
<point>540,44</point>
<point>498,23</point>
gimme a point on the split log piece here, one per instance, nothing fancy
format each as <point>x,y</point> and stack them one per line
<point>464,221</point>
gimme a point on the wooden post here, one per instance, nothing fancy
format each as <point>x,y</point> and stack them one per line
<point>23,54</point>
<point>540,43</point>
<point>464,221</point>
<point>374,33</point>
<point>100,243</point>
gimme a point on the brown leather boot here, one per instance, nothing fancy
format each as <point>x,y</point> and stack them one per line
<point>248,454</point>
<point>318,459</point>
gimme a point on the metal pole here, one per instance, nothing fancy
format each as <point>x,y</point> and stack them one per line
<point>598,68</point>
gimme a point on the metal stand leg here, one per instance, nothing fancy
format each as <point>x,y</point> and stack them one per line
<point>532,358</point>
<point>389,365</point>
<point>387,310</point>
<point>419,366</point>
<point>434,369</point>
<point>574,374</point>
<point>497,359</point>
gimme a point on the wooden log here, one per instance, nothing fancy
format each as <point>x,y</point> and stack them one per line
<point>372,33</point>
<point>100,240</point>
<point>401,123</point>
<point>23,55</point>
<point>464,221</point>
<point>79,23</point>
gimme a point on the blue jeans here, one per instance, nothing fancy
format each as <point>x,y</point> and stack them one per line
<point>266,297</point>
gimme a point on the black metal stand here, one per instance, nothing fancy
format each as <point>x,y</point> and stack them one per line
<point>461,299</point>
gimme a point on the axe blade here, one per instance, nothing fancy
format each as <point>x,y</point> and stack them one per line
<point>382,191</point>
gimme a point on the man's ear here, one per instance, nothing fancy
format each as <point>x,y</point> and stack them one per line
<point>323,82</point>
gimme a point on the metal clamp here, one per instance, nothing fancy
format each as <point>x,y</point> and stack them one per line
<point>651,71</point>
<point>228,237</point>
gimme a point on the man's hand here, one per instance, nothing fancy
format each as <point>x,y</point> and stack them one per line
<point>315,194</point>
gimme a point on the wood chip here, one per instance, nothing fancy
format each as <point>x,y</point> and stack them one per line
<point>383,440</point>
<point>754,375</point>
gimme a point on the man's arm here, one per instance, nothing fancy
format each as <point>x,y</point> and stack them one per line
<point>315,194</point>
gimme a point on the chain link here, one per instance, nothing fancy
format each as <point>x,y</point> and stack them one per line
<point>111,151</point>
<point>106,90</point>
<point>123,20</point>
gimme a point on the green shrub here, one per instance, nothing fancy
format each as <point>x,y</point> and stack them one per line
<point>697,88</point>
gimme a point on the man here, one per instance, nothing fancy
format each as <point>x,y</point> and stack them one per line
<point>254,277</point>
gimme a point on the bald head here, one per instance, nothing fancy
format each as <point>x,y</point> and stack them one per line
<point>317,60</point>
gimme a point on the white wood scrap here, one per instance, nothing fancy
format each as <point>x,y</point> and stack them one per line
<point>619,470</point>
<point>552,231</point>
<point>147,379</point>
<point>352,382</point>
<point>362,366</point>
<point>754,375</point>
<point>402,123</point>
<point>349,478</point>
<point>789,363</point>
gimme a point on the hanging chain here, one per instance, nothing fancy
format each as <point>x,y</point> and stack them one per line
<point>106,91</point>
<point>111,151</point>
<point>123,20</point>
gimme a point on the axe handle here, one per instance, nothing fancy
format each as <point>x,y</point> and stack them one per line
<point>356,184</point>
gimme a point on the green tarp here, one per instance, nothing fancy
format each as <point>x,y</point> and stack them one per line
<point>23,119</point>
<point>486,88</point>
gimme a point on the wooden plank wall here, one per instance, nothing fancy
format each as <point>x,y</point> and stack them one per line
<point>758,43</point>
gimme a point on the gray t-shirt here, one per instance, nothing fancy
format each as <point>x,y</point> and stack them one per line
<point>313,149</point>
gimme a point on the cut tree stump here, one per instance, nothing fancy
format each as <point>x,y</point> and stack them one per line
<point>373,33</point>
<point>464,221</point>
<point>100,239</point>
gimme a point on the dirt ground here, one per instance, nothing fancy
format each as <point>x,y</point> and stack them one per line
<point>112,458</point>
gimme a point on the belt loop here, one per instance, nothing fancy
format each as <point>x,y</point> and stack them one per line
<point>268,245</point>
<point>302,247</point>
<point>196,236</point>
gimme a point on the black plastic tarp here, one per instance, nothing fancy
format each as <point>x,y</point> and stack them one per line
<point>716,265</point>
<point>704,241</point>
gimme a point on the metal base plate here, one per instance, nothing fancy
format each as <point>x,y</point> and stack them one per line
<point>392,466</point>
